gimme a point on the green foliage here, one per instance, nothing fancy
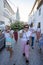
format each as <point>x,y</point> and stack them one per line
<point>18,25</point>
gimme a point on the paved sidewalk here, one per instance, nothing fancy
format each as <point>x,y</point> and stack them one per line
<point>18,59</point>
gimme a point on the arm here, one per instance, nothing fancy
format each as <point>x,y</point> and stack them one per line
<point>12,34</point>
<point>21,34</point>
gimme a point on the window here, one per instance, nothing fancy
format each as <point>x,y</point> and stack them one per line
<point>4,3</point>
<point>39,11</point>
<point>2,22</point>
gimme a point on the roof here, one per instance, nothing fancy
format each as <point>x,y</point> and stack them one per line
<point>39,3</point>
<point>33,7</point>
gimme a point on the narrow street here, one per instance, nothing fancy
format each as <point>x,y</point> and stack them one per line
<point>35,57</point>
<point>24,15</point>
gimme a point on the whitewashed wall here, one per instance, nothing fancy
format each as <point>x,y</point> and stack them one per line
<point>2,17</point>
<point>37,18</point>
<point>1,7</point>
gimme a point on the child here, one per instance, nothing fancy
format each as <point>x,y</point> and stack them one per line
<point>27,48</point>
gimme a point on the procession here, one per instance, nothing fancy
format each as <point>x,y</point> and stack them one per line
<point>21,32</point>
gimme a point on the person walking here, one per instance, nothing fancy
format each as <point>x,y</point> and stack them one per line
<point>25,38</point>
<point>9,40</point>
<point>16,34</point>
<point>39,37</point>
<point>32,29</point>
<point>40,43</point>
<point>38,32</point>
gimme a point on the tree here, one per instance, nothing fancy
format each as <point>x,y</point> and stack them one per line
<point>18,25</point>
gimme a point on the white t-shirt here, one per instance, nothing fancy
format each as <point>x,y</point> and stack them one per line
<point>38,30</point>
<point>26,35</point>
<point>7,35</point>
<point>32,29</point>
<point>11,31</point>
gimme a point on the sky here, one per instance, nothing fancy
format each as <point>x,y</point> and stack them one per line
<point>24,6</point>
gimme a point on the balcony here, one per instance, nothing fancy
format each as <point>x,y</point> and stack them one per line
<point>6,13</point>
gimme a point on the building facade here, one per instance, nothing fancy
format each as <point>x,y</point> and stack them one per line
<point>2,18</point>
<point>6,12</point>
<point>38,16</point>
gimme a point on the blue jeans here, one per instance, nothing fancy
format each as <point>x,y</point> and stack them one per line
<point>32,38</point>
<point>40,43</point>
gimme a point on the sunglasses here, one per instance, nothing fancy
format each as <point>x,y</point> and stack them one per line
<point>26,27</point>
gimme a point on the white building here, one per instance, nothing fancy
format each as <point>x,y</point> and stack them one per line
<point>6,12</point>
<point>3,19</point>
<point>37,15</point>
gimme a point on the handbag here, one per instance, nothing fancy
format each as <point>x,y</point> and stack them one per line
<point>28,41</point>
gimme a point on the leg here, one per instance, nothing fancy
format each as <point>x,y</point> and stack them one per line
<point>40,50</point>
<point>27,53</point>
<point>32,42</point>
<point>23,47</point>
<point>11,52</point>
<point>39,46</point>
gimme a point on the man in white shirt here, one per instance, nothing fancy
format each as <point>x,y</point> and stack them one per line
<point>33,30</point>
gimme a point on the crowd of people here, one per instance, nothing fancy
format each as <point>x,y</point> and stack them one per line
<point>27,36</point>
